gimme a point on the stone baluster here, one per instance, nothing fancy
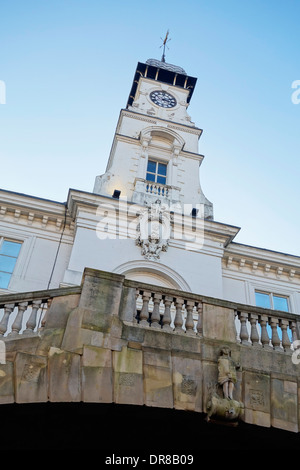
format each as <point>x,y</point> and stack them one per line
<point>155,316</point>
<point>144,315</point>
<point>189,322</point>
<point>265,340</point>
<point>8,308</point>
<point>244,335</point>
<point>136,311</point>
<point>166,321</point>
<point>178,322</point>
<point>44,319</point>
<point>254,336</point>
<point>275,338</point>
<point>293,327</point>
<point>199,326</point>
<point>31,323</point>
<point>17,324</point>
<point>286,344</point>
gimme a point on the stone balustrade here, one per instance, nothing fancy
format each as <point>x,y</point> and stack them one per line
<point>22,317</point>
<point>25,314</point>
<point>164,192</point>
<point>270,330</point>
<point>156,189</point>
<point>179,314</point>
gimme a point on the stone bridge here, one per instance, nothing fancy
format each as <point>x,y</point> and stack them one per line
<point>117,341</point>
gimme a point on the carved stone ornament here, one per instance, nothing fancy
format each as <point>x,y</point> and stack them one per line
<point>221,406</point>
<point>153,230</point>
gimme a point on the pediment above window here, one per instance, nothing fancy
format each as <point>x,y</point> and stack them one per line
<point>160,136</point>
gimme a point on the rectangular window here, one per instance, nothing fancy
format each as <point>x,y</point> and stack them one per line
<point>9,252</point>
<point>272,301</point>
<point>156,172</point>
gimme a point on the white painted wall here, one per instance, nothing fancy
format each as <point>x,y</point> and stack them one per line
<point>38,225</point>
<point>252,269</point>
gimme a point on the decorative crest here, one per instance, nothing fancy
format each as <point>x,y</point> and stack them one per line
<point>164,45</point>
<point>153,230</point>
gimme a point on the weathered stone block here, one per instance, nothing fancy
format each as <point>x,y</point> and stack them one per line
<point>185,342</point>
<point>218,323</point>
<point>7,383</point>
<point>128,304</point>
<point>256,398</point>
<point>133,333</point>
<point>158,389</point>
<point>157,338</point>
<point>100,296</point>
<point>96,375</point>
<point>128,376</point>
<point>157,358</point>
<point>187,383</point>
<point>284,404</point>
<point>59,311</point>
<point>31,378</point>
<point>64,376</point>
<point>72,339</point>
<point>21,343</point>
<point>210,382</point>
<point>51,337</point>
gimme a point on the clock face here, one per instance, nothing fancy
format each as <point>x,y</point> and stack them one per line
<point>163,99</point>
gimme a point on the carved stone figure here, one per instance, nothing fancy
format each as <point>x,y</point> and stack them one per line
<point>227,372</point>
<point>225,408</point>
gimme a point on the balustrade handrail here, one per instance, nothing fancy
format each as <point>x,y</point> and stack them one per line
<point>42,295</point>
<point>156,188</point>
<point>30,310</point>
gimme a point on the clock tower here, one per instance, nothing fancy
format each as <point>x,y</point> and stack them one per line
<point>147,218</point>
<point>155,150</point>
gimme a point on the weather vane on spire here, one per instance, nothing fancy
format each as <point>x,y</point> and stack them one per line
<point>164,45</point>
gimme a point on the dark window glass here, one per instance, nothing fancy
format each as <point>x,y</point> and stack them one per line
<point>156,172</point>
<point>162,169</point>
<point>161,179</point>
<point>151,166</point>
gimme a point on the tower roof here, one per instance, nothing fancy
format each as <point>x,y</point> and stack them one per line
<point>161,71</point>
<point>163,65</point>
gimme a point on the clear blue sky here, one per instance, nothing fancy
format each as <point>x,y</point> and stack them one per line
<point>68,67</point>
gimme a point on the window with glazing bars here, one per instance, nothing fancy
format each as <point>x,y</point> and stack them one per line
<point>156,172</point>
<point>272,301</point>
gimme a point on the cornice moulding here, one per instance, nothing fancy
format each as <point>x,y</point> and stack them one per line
<point>262,255</point>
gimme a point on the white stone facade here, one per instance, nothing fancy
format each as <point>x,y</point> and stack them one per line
<point>184,247</point>
<point>46,233</point>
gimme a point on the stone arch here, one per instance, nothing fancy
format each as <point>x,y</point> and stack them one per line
<point>164,133</point>
<point>153,273</point>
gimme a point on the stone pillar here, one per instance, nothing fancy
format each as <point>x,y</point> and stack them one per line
<point>218,323</point>
<point>97,313</point>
